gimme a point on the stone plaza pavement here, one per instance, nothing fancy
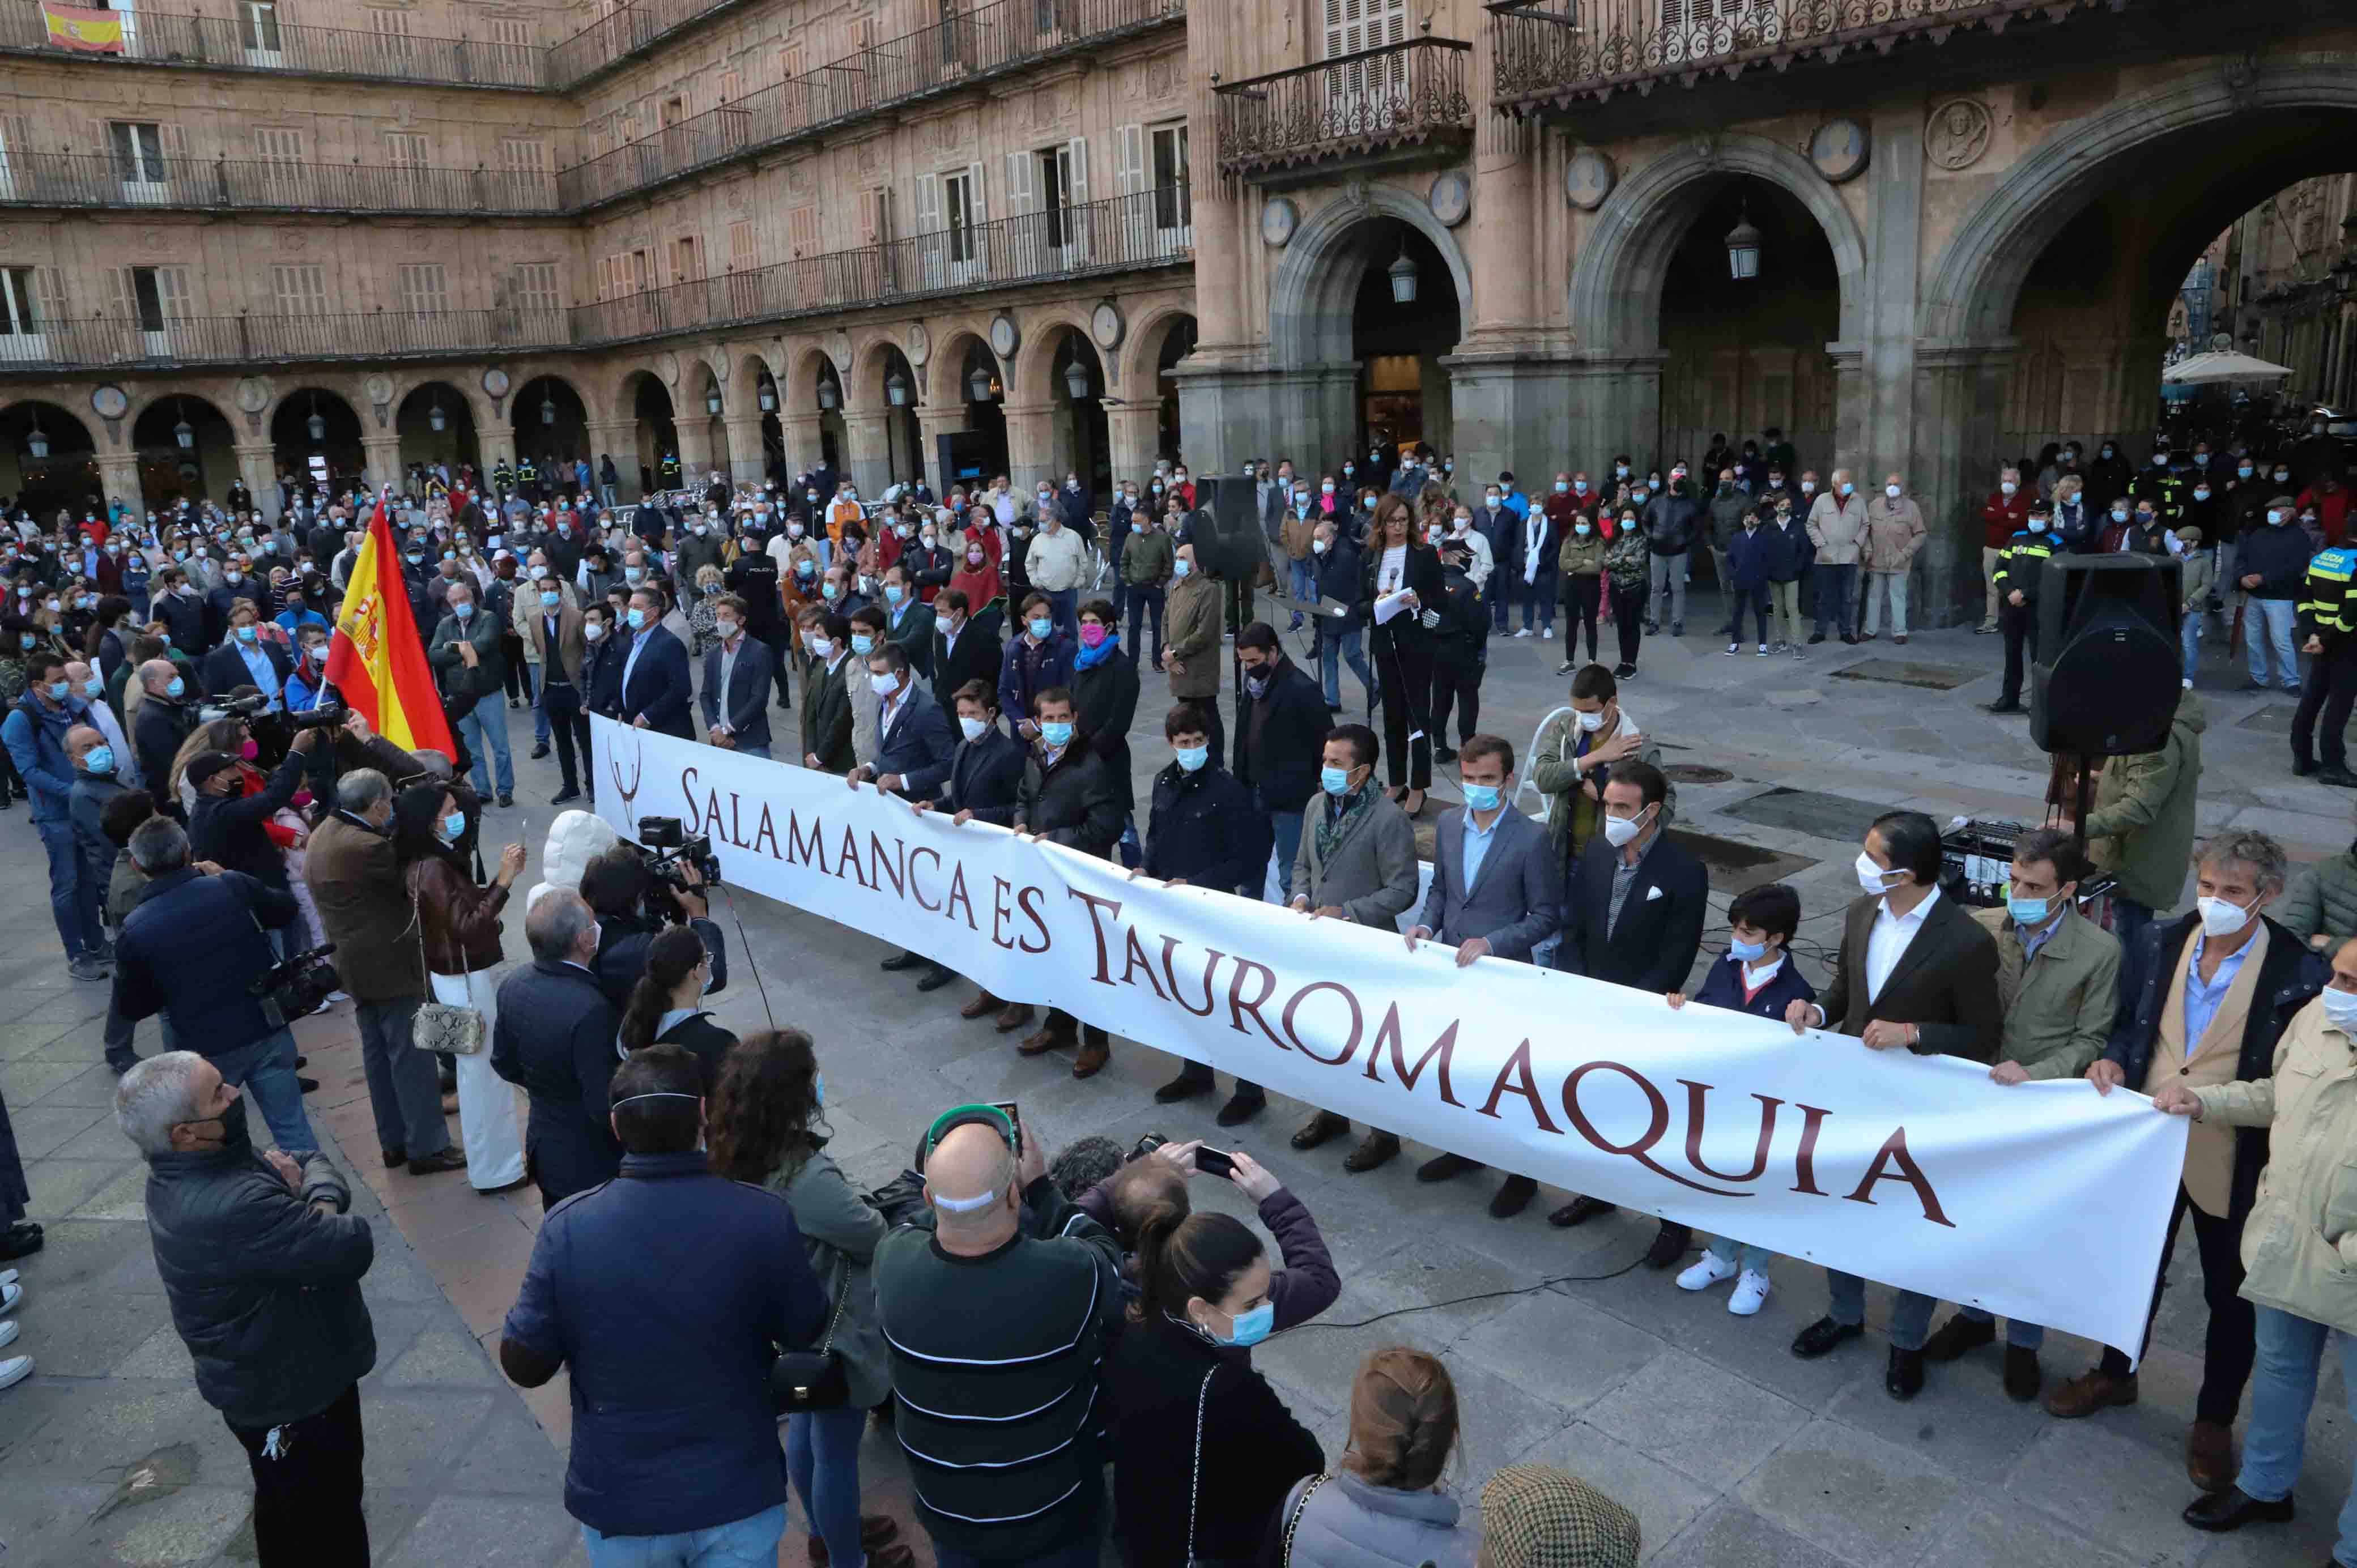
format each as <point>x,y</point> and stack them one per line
<point>1732,1453</point>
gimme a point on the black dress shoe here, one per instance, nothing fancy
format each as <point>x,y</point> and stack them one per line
<point>1241,1108</point>
<point>2339,777</point>
<point>1185,1085</point>
<point>2002,707</point>
<point>2231,1509</point>
<point>506,799</point>
<point>307,1085</point>
<point>562,796</point>
<point>1319,1128</point>
<point>1670,1244</point>
<point>2300,767</point>
<point>2023,1376</point>
<point>1579,1211</point>
<point>301,1061</point>
<point>450,1159</point>
<point>21,1240</point>
<point>1904,1378</point>
<point>935,978</point>
<point>1375,1150</point>
<point>1852,640</point>
<point>1822,1336</point>
<point>901,960</point>
<point>1513,1196</point>
<point>1441,1167</point>
<point>395,1156</point>
<point>1444,753</point>
<point>1820,636</point>
<point>1957,1336</point>
<point>538,750</point>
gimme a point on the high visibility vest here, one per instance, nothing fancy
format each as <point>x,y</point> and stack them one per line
<point>2024,558</point>
<point>2332,588</point>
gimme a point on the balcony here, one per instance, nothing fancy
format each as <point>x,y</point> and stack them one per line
<point>1403,102</point>
<point>1138,232</point>
<point>153,38</point>
<point>988,42</point>
<point>1557,53</point>
<point>622,35</point>
<point>102,180</point>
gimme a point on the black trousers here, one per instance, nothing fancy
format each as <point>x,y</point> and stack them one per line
<point>1217,741</point>
<point>306,1487</point>
<point>2020,625</point>
<point>1629,619</point>
<point>1456,682</point>
<point>519,675</point>
<point>570,727</point>
<point>1404,665</point>
<point>1583,599</point>
<point>1240,606</point>
<point>2230,1347</point>
<point>2330,687</point>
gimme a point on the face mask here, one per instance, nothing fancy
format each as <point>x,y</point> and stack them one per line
<point>1620,831</point>
<point>1041,628</point>
<point>2244,472</point>
<point>2283,475</point>
<point>822,647</point>
<point>2201,493</point>
<point>1808,486</point>
<point>861,643</point>
<point>1561,486</point>
<point>2340,1011</point>
<point>1093,636</point>
<point>233,576</point>
<point>726,628</point>
<point>2222,917</point>
<point>463,608</point>
<point>2008,487</point>
<point>247,633</point>
<point>1890,490</point>
<point>232,1125</point>
<point>99,760</point>
<point>832,591</point>
<point>1056,735</point>
<point>416,558</point>
<point>1490,501</point>
<point>454,825</point>
<point>1747,953</point>
<point>1847,488</point>
<point>2276,517</point>
<point>1591,723</point>
<point>975,728</point>
<point>1318,546</point>
<point>1181,568</point>
<point>1872,877</point>
<point>249,751</point>
<point>1482,797</point>
<point>177,689</point>
<point>1326,489</point>
<point>885,684</point>
<point>894,593</point>
<point>1191,757</point>
<point>637,618</point>
<point>2119,514</point>
<point>1247,1328</point>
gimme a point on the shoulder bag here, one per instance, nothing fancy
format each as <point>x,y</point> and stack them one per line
<point>1301,1506</point>
<point>1195,1488</point>
<point>440,1027</point>
<point>804,1380</point>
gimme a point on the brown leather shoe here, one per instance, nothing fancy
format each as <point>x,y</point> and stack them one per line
<point>1018,1013</point>
<point>1325,1124</point>
<point>984,1002</point>
<point>2210,1456</point>
<point>1092,1057</point>
<point>1047,1037</point>
<point>2088,1392</point>
<point>1377,1149</point>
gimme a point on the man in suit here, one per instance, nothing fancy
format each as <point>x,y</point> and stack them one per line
<point>1916,972</point>
<point>986,774</point>
<point>244,660</point>
<point>1495,893</point>
<point>915,749</point>
<point>163,724</point>
<point>1633,916</point>
<point>737,672</point>
<point>909,624</point>
<point>827,700</point>
<point>652,692</point>
<point>554,1036</point>
<point>602,648</point>
<point>963,650</point>
<point>555,624</point>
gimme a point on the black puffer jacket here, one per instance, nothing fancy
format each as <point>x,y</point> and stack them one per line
<point>1671,518</point>
<point>265,1290</point>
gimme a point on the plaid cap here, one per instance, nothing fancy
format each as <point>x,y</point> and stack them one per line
<point>1534,1516</point>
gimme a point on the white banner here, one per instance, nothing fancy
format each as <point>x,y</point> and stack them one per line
<point>2044,1201</point>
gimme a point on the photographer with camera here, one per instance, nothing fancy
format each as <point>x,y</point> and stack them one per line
<point>193,949</point>
<point>230,825</point>
<point>635,895</point>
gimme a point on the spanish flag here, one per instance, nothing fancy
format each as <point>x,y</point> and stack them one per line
<point>83,28</point>
<point>376,660</point>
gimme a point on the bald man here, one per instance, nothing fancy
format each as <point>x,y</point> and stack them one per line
<point>996,1303</point>
<point>167,713</point>
<point>91,689</point>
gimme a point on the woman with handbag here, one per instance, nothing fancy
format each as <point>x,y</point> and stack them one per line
<point>762,1125</point>
<point>663,1008</point>
<point>1204,1451</point>
<point>458,924</point>
<point>1385,1505</point>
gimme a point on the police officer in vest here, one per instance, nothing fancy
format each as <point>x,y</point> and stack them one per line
<point>2327,618</point>
<point>2017,572</point>
<point>503,478</point>
<point>528,478</point>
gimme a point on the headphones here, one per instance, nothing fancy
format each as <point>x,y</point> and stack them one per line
<point>958,1116</point>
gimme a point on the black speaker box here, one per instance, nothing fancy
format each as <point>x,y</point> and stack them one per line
<point>2106,680</point>
<point>1225,527</point>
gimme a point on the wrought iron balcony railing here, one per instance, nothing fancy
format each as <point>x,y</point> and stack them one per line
<point>1552,53</point>
<point>1143,230</point>
<point>248,42</point>
<point>620,35</point>
<point>103,180</point>
<point>989,41</point>
<point>1399,95</point>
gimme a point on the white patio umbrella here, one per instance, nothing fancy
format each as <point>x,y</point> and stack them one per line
<point>2222,365</point>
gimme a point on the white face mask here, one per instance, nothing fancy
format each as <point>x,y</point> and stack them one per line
<point>1890,490</point>
<point>885,685</point>
<point>1591,723</point>
<point>1620,831</point>
<point>2222,917</point>
<point>1872,877</point>
<point>975,728</point>
<point>2340,1011</point>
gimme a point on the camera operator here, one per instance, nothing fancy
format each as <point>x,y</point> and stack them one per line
<point>230,827</point>
<point>622,891</point>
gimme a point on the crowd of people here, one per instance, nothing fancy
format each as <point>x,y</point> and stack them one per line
<point>1027,1319</point>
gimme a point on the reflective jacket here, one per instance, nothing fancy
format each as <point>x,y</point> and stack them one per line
<point>2024,562</point>
<point>2328,603</point>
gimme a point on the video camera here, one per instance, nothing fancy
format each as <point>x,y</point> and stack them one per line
<point>666,851</point>
<point>297,987</point>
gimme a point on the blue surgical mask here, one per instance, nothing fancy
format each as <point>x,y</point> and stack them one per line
<point>1748,952</point>
<point>1042,627</point>
<point>179,688</point>
<point>93,687</point>
<point>247,633</point>
<point>1191,757</point>
<point>58,691</point>
<point>99,760</point>
<point>1250,1327</point>
<point>1056,735</point>
<point>861,644</point>
<point>894,593</point>
<point>637,618</point>
<point>454,825</point>
<point>1334,780</point>
<point>1482,797</point>
<point>25,640</point>
<point>2028,911</point>
<point>818,1089</point>
<point>550,598</point>
<point>1181,568</point>
<point>463,608</point>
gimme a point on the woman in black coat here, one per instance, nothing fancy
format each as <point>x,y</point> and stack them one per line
<point>1397,562</point>
<point>1204,1451</point>
<point>663,1010</point>
<point>1105,699</point>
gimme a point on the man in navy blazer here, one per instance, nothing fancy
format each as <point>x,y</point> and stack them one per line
<point>1633,916</point>
<point>914,743</point>
<point>986,774</point>
<point>653,690</point>
<point>1495,894</point>
<point>244,658</point>
<point>737,673</point>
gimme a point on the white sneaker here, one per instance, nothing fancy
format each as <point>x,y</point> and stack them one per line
<point>9,1296</point>
<point>1523,632</point>
<point>1705,1271</point>
<point>15,1370</point>
<point>8,1332</point>
<point>1763,651</point>
<point>1546,634</point>
<point>8,1276</point>
<point>1730,649</point>
<point>1751,1294</point>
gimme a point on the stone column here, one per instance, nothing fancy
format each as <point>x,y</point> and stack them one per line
<point>744,454</point>
<point>932,423</point>
<point>694,451</point>
<point>382,459</point>
<point>1960,397</point>
<point>1511,409</point>
<point>1613,403</point>
<point>495,444</point>
<point>1135,429</point>
<point>867,456</point>
<point>1031,443</point>
<point>118,475</point>
<point>257,465</point>
<point>803,446</point>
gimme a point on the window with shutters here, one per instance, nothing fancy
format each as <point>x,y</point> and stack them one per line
<point>688,258</point>
<point>155,296</point>
<point>277,146</point>
<point>962,209</point>
<point>1128,159</point>
<point>406,149</point>
<point>16,138</point>
<point>257,31</point>
<point>392,30</point>
<point>536,288</point>
<point>524,154</point>
<point>138,149</point>
<point>421,286</point>
<point>1174,206</point>
<point>744,246</point>
<point>513,31</point>
<point>793,61</point>
<point>641,266</point>
<point>875,217</point>
<point>801,231</point>
<point>1353,27</point>
<point>732,85</point>
<point>299,289</point>
<point>19,316</point>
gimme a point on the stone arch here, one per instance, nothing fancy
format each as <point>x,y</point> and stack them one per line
<point>1617,275</point>
<point>298,388</point>
<point>1028,385</point>
<point>1316,281</point>
<point>945,365</point>
<point>753,362</point>
<point>1141,352</point>
<point>621,391</point>
<point>800,386</point>
<point>1972,290</point>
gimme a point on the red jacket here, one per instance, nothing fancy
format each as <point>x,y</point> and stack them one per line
<point>2332,511</point>
<point>2005,516</point>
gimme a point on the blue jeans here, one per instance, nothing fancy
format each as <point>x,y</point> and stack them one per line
<point>1303,582</point>
<point>823,1462</point>
<point>1835,586</point>
<point>760,751</point>
<point>2017,1334</point>
<point>1743,1254</point>
<point>265,1069</point>
<point>1911,1315</point>
<point>73,894</point>
<point>1144,602</point>
<point>1079,1555</point>
<point>1286,826</point>
<point>606,493</point>
<point>1061,604</point>
<point>1498,592</point>
<point>1540,594</point>
<point>2267,623</point>
<point>1336,648</point>
<point>485,727</point>
<point>537,689</point>
<point>2283,1387</point>
<point>750,1542</point>
<point>2189,642</point>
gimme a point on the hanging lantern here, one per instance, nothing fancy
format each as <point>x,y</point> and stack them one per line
<point>1743,249</point>
<point>547,409</point>
<point>978,384</point>
<point>829,396</point>
<point>317,426</point>
<point>435,419</point>
<point>768,396</point>
<point>1402,276</point>
<point>712,401</point>
<point>896,390</point>
<point>1076,380</point>
<point>186,434</point>
<point>37,445</point>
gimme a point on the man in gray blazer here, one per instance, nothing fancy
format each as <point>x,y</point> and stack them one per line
<point>1496,893</point>
<point>1357,862</point>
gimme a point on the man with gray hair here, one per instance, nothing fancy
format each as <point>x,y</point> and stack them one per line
<point>166,716</point>
<point>364,906</point>
<point>2203,1000</point>
<point>555,1037</point>
<point>263,1268</point>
